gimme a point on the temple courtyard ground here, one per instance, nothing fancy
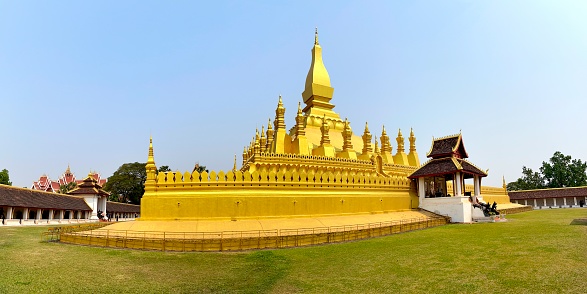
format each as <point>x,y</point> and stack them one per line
<point>543,251</point>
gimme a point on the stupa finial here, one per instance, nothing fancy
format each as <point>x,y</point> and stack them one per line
<point>316,37</point>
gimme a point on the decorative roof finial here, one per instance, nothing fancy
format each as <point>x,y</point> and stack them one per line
<point>316,37</point>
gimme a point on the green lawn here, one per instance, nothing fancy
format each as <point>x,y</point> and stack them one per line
<point>534,252</point>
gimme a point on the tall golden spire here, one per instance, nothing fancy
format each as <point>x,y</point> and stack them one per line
<point>318,91</point>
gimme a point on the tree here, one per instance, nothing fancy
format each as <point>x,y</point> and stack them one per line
<point>563,171</point>
<point>199,168</point>
<point>163,168</point>
<point>5,178</point>
<point>127,184</point>
<point>64,189</point>
<point>529,180</point>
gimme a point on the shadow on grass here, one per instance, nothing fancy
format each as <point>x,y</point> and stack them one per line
<point>579,222</point>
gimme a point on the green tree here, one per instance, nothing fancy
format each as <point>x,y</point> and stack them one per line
<point>199,168</point>
<point>163,168</point>
<point>5,178</point>
<point>64,189</point>
<point>530,180</point>
<point>127,184</point>
<point>563,171</point>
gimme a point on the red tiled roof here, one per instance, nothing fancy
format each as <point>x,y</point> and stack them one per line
<point>548,193</point>
<point>21,197</point>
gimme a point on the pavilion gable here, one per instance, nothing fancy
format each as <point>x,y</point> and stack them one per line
<point>450,146</point>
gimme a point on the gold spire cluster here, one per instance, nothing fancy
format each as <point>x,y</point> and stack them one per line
<point>319,131</point>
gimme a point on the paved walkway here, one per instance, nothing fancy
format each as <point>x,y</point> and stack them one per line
<point>264,224</point>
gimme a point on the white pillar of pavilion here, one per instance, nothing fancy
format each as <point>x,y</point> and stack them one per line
<point>9,212</point>
<point>457,183</point>
<point>26,213</point>
<point>477,187</point>
<point>421,191</point>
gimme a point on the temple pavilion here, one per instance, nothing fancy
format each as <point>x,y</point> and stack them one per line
<point>448,164</point>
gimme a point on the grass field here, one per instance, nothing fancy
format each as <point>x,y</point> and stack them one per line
<point>534,252</point>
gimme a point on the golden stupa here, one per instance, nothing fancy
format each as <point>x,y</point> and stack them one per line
<point>319,167</point>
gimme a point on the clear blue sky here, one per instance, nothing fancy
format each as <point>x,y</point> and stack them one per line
<point>86,82</point>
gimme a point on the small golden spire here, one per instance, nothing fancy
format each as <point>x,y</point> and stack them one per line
<point>376,145</point>
<point>234,165</point>
<point>325,129</point>
<point>347,135</point>
<point>279,121</point>
<point>300,129</point>
<point>400,141</point>
<point>270,134</point>
<point>412,140</point>
<point>367,148</point>
<point>504,185</point>
<point>151,158</point>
